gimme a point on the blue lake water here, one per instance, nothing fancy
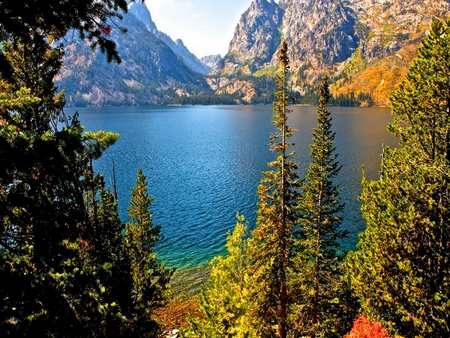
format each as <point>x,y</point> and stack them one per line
<point>204,163</point>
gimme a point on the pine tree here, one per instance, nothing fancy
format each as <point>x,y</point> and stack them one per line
<point>401,272</point>
<point>41,195</point>
<point>317,256</point>
<point>150,278</point>
<point>271,244</point>
<point>62,256</point>
<point>225,298</point>
<point>90,18</point>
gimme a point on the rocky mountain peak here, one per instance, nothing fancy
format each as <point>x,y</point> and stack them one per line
<point>256,38</point>
<point>319,31</point>
<point>211,60</point>
<point>366,44</point>
<point>141,12</point>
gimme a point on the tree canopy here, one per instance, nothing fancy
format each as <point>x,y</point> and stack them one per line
<point>53,19</point>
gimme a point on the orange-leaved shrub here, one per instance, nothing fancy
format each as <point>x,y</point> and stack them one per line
<point>364,328</point>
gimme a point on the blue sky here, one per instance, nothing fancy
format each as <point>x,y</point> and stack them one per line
<point>205,26</point>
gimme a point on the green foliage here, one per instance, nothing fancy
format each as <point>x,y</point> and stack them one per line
<point>40,199</point>
<point>421,104</point>
<point>271,245</point>
<point>90,18</point>
<point>318,279</point>
<point>149,278</point>
<point>62,247</point>
<point>225,300</point>
<point>401,271</point>
<point>96,143</point>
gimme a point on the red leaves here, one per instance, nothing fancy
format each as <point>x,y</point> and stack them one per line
<point>364,328</point>
<point>106,29</point>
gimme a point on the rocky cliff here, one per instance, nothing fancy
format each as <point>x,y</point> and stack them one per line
<point>364,45</point>
<point>256,39</point>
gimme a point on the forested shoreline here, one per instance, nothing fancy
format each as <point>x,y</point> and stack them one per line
<point>73,268</point>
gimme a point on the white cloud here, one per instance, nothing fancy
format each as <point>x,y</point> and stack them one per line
<point>196,16</point>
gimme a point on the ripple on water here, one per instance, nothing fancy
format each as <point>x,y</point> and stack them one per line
<point>203,165</point>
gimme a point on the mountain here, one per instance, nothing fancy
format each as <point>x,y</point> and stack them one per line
<point>364,45</point>
<point>141,12</point>
<point>210,61</point>
<point>150,72</point>
<point>256,38</point>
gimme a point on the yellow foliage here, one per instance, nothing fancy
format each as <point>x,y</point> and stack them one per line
<point>378,79</point>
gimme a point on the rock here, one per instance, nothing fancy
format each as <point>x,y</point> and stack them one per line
<point>342,37</point>
<point>324,33</point>
<point>256,39</point>
<point>172,334</point>
<point>210,61</point>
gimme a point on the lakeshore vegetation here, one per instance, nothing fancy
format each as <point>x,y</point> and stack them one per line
<point>71,268</point>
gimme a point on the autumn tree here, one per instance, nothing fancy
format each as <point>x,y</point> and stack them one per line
<point>401,272</point>
<point>364,328</point>
<point>225,298</point>
<point>318,257</point>
<point>271,244</point>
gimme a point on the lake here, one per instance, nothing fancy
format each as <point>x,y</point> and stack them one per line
<point>204,163</point>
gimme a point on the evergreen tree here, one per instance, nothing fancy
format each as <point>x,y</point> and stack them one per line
<point>317,257</point>
<point>40,197</point>
<point>110,264</point>
<point>225,299</point>
<point>61,249</point>
<point>149,278</point>
<point>52,21</point>
<point>271,244</point>
<point>401,272</point>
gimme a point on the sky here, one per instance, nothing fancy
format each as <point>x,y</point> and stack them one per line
<point>205,26</point>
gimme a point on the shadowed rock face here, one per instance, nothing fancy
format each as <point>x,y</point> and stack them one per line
<point>141,12</point>
<point>150,70</point>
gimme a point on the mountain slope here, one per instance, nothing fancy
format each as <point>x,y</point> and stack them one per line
<point>150,72</point>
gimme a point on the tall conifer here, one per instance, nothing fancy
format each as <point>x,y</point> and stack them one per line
<point>401,272</point>
<point>271,243</point>
<point>317,256</point>
<point>149,278</point>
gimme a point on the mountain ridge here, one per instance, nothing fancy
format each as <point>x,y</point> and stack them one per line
<point>365,46</point>
<point>141,12</point>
